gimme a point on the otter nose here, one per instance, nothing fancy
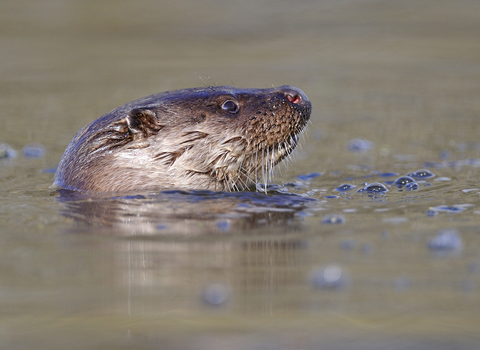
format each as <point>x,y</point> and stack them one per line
<point>295,95</point>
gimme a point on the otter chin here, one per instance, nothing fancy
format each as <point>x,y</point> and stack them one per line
<point>219,138</point>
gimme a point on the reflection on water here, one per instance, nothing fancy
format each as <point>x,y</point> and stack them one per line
<point>312,264</point>
<point>179,273</point>
<point>182,212</point>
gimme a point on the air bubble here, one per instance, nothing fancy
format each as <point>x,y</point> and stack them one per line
<point>216,294</point>
<point>345,187</point>
<point>403,180</point>
<point>34,150</point>
<point>6,151</point>
<point>333,219</point>
<point>359,145</point>
<point>411,186</point>
<point>448,240</point>
<point>330,277</point>
<point>421,174</point>
<point>374,188</point>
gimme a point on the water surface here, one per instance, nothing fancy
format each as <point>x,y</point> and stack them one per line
<point>394,88</point>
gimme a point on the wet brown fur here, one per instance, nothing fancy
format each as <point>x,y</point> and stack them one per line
<point>184,139</point>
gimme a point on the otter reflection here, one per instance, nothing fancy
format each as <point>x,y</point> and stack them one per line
<point>180,212</point>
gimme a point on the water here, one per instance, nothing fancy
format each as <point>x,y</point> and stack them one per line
<point>312,264</point>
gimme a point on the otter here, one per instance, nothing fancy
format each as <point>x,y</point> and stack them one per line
<point>218,138</point>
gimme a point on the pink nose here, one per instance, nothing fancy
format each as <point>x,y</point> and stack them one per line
<point>294,95</point>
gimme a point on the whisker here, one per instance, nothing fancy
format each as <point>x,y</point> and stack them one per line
<point>243,183</point>
<point>227,183</point>
<point>256,166</point>
<point>235,187</point>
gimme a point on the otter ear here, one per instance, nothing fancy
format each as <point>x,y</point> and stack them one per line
<point>142,123</point>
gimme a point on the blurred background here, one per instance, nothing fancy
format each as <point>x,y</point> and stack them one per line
<point>402,75</point>
<point>65,63</point>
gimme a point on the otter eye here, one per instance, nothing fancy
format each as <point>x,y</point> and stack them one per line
<point>230,106</point>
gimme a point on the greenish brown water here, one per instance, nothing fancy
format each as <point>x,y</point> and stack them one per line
<point>132,272</point>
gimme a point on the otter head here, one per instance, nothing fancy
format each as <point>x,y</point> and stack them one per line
<point>215,138</point>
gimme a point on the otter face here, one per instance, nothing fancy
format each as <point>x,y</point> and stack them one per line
<point>214,138</point>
